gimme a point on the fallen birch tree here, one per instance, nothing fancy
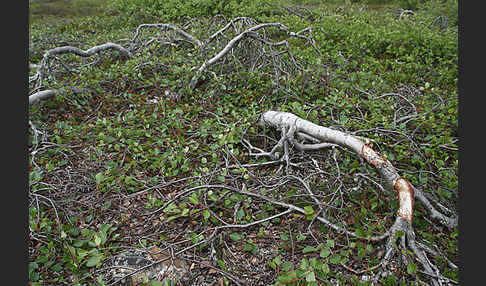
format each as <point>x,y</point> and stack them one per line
<point>41,95</point>
<point>258,53</point>
<point>44,68</point>
<point>266,53</point>
<point>252,33</point>
<point>292,126</point>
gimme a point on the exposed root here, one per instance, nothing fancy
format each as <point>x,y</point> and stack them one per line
<point>407,245</point>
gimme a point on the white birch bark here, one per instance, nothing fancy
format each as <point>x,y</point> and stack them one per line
<point>404,190</point>
<point>88,52</point>
<point>163,26</point>
<point>406,193</point>
<point>233,42</point>
<point>41,95</point>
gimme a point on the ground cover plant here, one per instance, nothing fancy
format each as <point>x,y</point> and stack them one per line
<point>260,142</point>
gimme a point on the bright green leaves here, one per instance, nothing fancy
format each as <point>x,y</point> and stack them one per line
<point>284,237</point>
<point>335,259</point>
<point>251,247</point>
<point>310,276</point>
<point>325,252</point>
<point>193,199</point>
<point>94,260</point>
<point>411,268</point>
<point>240,214</point>
<point>236,236</point>
<point>275,262</point>
<point>308,210</point>
<point>308,249</point>
<point>206,214</point>
<point>309,270</point>
<point>99,177</point>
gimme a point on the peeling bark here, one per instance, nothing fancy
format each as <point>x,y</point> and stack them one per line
<point>326,135</point>
<point>404,190</point>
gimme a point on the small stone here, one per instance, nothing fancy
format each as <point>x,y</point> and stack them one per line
<point>131,260</point>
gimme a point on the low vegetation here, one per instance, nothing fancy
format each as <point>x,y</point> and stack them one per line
<point>128,155</point>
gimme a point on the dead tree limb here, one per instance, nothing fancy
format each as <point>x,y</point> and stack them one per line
<point>405,191</point>
<point>41,95</point>
<point>250,32</point>
<point>246,20</point>
<point>88,52</point>
<point>166,27</point>
<point>226,49</point>
<point>43,67</point>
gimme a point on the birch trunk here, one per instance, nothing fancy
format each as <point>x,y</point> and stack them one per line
<point>405,192</point>
<point>393,180</point>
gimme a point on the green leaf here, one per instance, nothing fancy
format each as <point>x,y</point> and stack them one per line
<point>308,249</point>
<point>325,268</point>
<point>97,240</point>
<point>172,217</point>
<point>399,234</point>
<point>236,236</point>
<point>335,259</point>
<point>184,212</point>
<point>155,283</point>
<point>310,277</point>
<point>240,214</point>
<point>325,252</point>
<point>93,260</point>
<point>99,177</point>
<point>193,200</point>
<point>308,210</point>
<point>206,214</point>
<point>330,243</point>
<point>221,264</point>
<point>286,266</point>
<point>411,268</point>
<point>249,247</point>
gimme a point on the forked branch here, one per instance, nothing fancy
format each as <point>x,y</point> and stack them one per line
<point>405,191</point>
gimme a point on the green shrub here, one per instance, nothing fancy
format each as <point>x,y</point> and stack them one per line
<point>437,8</point>
<point>169,10</point>
<point>409,4</point>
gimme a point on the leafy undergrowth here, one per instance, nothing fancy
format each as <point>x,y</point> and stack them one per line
<point>104,160</point>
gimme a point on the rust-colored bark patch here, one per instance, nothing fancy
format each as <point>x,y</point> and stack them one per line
<point>405,198</point>
<point>371,156</point>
